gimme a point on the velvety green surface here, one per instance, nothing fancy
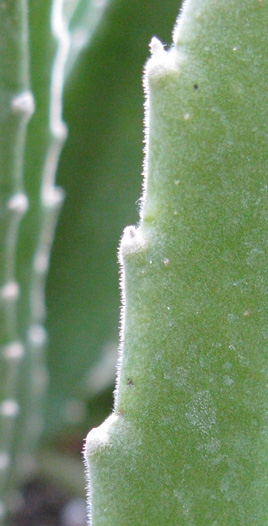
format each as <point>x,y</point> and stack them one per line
<point>187,443</point>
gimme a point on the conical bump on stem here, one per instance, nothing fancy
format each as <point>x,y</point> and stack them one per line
<point>52,196</point>
<point>162,62</point>
<point>13,351</point>
<point>9,408</point>
<point>99,437</point>
<point>10,291</point>
<point>37,335</point>
<point>23,104</point>
<point>18,204</point>
<point>133,241</point>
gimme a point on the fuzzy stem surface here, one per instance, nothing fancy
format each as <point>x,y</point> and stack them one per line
<point>187,442</point>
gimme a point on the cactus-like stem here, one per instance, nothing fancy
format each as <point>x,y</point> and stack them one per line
<point>28,163</point>
<point>187,441</point>
<point>17,106</point>
<point>49,199</point>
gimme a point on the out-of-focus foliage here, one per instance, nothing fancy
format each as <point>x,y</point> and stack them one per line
<point>34,47</point>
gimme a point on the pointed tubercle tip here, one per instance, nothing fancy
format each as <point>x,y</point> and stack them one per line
<point>156,47</point>
<point>18,203</point>
<point>23,104</point>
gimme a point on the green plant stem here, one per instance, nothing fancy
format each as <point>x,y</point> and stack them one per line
<point>187,441</point>
<point>34,38</point>
<point>44,142</point>
<point>17,106</point>
<point>51,39</point>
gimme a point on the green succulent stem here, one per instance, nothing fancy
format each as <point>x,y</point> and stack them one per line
<point>16,108</point>
<point>36,40</point>
<point>187,441</point>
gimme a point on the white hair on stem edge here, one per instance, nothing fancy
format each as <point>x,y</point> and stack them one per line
<point>132,242</point>
<point>162,63</point>
<point>122,324</point>
<point>178,24</point>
